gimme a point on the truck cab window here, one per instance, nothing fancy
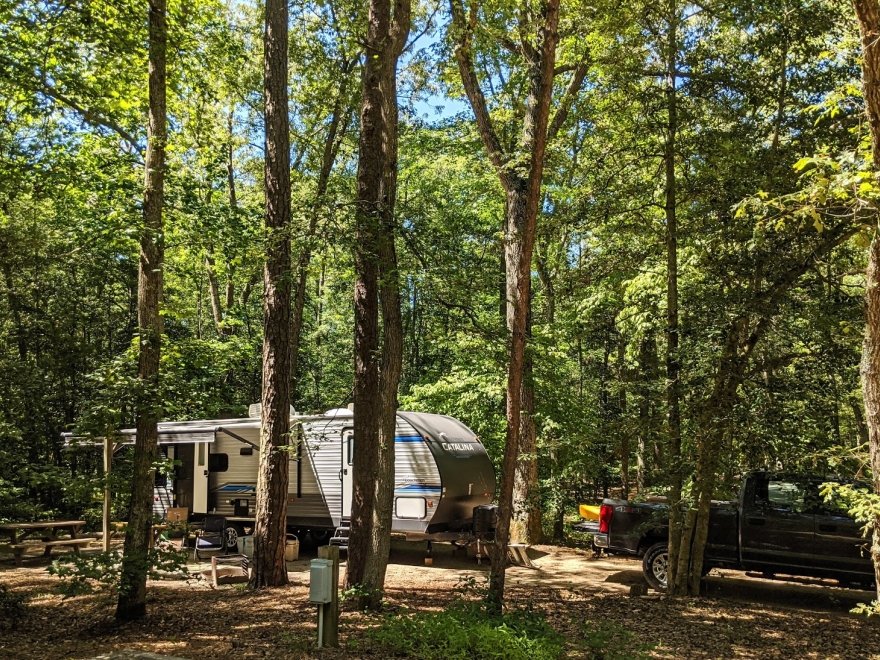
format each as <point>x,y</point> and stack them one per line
<point>784,494</point>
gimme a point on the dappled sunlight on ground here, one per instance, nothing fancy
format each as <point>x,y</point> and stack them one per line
<point>741,617</point>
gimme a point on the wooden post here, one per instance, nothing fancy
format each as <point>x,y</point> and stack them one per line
<point>108,461</point>
<point>331,610</point>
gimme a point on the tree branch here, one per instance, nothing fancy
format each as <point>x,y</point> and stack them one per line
<point>92,117</point>
<point>571,92</point>
<point>461,32</point>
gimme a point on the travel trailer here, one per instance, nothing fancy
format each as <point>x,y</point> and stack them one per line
<point>442,472</point>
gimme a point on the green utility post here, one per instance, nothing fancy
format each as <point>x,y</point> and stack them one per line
<point>330,618</point>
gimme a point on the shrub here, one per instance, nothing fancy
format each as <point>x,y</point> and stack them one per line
<point>82,574</point>
<point>12,607</point>
<point>467,631</point>
<point>611,641</point>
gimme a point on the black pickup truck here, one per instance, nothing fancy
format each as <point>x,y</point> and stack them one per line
<point>779,524</point>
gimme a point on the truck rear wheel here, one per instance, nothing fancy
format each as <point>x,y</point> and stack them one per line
<point>655,566</point>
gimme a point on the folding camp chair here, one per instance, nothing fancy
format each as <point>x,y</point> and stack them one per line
<point>212,537</point>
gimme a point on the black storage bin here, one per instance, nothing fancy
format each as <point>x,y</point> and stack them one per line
<point>485,521</point>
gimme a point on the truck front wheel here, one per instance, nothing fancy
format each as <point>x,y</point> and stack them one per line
<point>655,566</point>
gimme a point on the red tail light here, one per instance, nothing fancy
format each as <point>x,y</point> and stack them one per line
<point>606,511</point>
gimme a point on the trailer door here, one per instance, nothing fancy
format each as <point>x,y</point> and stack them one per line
<point>347,473</point>
<point>200,478</point>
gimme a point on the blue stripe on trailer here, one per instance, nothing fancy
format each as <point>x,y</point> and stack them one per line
<point>236,488</point>
<point>419,489</point>
<point>408,438</point>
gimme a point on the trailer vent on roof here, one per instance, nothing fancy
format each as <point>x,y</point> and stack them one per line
<point>254,411</point>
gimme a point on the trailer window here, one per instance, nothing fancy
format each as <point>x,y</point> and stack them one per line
<point>218,462</point>
<point>348,439</point>
<point>410,507</point>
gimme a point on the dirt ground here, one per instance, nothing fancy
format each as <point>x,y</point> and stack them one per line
<point>741,617</point>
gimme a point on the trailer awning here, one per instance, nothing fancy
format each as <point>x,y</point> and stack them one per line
<point>127,437</point>
<point>178,433</point>
<point>172,433</point>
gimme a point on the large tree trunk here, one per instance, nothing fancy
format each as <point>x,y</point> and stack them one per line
<point>367,412</point>
<point>270,525</point>
<point>623,430</point>
<point>523,191</point>
<point>709,445</point>
<point>673,411</point>
<point>525,526</point>
<point>742,336</point>
<point>375,393</point>
<point>135,562</point>
<point>523,196</point>
<point>868,13</point>
<point>392,347</point>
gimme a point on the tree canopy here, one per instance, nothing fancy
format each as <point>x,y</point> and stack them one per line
<point>773,191</point>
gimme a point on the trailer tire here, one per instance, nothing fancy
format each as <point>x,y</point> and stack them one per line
<point>321,536</point>
<point>655,566</point>
<point>231,537</point>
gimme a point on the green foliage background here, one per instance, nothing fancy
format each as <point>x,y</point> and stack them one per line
<point>763,86</point>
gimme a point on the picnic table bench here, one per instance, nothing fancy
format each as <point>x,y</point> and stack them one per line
<point>43,536</point>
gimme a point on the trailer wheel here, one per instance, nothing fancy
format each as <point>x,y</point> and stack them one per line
<point>655,566</point>
<point>321,536</point>
<point>231,537</point>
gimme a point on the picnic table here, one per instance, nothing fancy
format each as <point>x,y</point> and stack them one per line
<point>43,535</point>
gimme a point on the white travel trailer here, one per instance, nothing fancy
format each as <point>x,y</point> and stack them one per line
<point>442,472</point>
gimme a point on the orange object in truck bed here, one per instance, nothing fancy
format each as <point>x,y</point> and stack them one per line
<point>589,511</point>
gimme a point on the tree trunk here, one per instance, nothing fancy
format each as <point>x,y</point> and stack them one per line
<point>233,208</point>
<point>781,93</point>
<point>646,438</point>
<point>270,525</point>
<point>523,192</point>
<point>214,289</point>
<point>15,308</point>
<point>135,559</point>
<point>338,117</point>
<point>392,346</point>
<point>366,309</point>
<point>375,394</point>
<point>623,430</point>
<point>673,396</point>
<point>868,13</point>
<point>525,524</point>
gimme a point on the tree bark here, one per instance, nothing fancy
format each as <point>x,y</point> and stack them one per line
<point>621,415</point>
<point>135,559</point>
<point>392,343</point>
<point>673,369</point>
<point>742,336</point>
<point>338,120</point>
<point>522,188</point>
<point>525,526</point>
<point>270,525</point>
<point>868,14</point>
<point>646,438</point>
<point>214,289</point>
<point>376,378</point>
<point>15,308</point>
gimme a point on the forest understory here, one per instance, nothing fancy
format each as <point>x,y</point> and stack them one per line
<point>581,596</point>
